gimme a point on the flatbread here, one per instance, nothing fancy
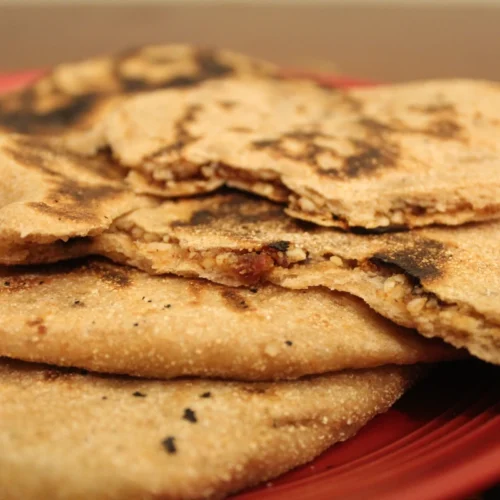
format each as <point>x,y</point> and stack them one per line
<point>107,318</point>
<point>394,156</point>
<point>73,95</point>
<point>48,194</point>
<point>445,282</point>
<point>71,435</point>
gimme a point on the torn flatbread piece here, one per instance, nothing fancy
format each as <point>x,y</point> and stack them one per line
<point>108,318</point>
<point>394,156</point>
<point>49,195</point>
<point>72,95</point>
<point>66,434</point>
<point>443,281</point>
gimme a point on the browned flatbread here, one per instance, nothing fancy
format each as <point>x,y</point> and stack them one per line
<point>73,95</point>
<point>445,282</point>
<point>70,435</point>
<point>49,195</point>
<point>403,155</point>
<point>104,317</point>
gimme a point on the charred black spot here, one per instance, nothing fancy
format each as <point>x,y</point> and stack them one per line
<point>75,202</point>
<point>265,143</point>
<point>375,126</point>
<point>207,67</point>
<point>355,104</point>
<point>288,343</point>
<point>78,303</point>
<point>281,246</point>
<point>199,218</point>
<point>190,416</point>
<point>303,135</point>
<point>114,277</point>
<point>130,84</point>
<point>46,156</point>
<point>60,214</point>
<point>264,215</point>
<point>87,194</point>
<point>309,151</point>
<point>444,129</point>
<point>169,445</point>
<point>234,299</point>
<point>207,394</point>
<point>422,260</point>
<point>394,228</point>
<point>227,104</point>
<point>78,371</point>
<point>304,225</point>
<point>182,135</point>
<point>210,66</point>
<point>28,121</point>
<point>139,394</point>
<point>369,159</point>
<point>32,154</point>
<point>236,210</point>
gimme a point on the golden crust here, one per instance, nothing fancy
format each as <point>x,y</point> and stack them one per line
<point>48,194</point>
<point>113,319</point>
<point>403,155</point>
<point>69,435</point>
<point>72,96</point>
<point>239,240</point>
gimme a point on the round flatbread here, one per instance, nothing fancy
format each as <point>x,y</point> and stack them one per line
<point>73,95</point>
<point>70,435</point>
<point>404,155</point>
<point>442,281</point>
<point>104,317</point>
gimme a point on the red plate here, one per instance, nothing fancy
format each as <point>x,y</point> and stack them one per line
<point>440,441</point>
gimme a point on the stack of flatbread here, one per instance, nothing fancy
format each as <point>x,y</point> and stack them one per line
<point>211,273</point>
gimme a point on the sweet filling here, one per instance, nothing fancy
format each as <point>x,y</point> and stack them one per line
<point>415,306</point>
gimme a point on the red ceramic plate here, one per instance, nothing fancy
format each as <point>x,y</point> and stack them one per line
<point>440,441</point>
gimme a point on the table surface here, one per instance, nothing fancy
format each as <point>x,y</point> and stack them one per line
<point>387,43</point>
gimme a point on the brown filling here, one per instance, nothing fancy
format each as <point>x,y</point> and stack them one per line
<point>178,175</point>
<point>395,219</point>
<point>382,283</point>
<point>166,177</point>
<point>272,188</point>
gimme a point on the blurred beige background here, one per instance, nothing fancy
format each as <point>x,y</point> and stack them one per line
<point>379,39</point>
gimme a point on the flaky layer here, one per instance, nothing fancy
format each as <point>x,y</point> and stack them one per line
<point>70,435</point>
<point>450,277</point>
<point>113,319</point>
<point>405,155</point>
